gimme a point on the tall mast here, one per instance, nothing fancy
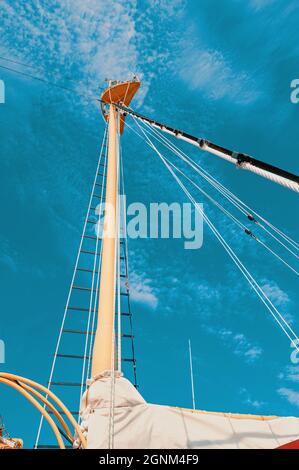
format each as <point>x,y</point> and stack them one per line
<point>104,343</point>
<point>102,352</point>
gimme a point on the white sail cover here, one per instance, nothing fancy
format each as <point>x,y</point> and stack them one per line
<point>117,416</point>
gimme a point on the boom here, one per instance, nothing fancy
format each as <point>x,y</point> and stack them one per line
<point>241,160</point>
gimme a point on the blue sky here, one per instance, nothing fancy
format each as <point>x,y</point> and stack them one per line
<point>221,70</point>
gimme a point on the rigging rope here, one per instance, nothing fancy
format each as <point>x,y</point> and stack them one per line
<point>242,226</point>
<point>222,189</point>
<point>286,328</point>
<point>226,212</point>
<point>48,82</point>
<point>119,330</point>
<point>126,262</point>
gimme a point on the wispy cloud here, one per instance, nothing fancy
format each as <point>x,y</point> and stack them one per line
<point>86,41</point>
<point>291,395</point>
<point>290,373</point>
<point>258,5</point>
<point>142,291</point>
<point>210,72</point>
<point>279,297</point>
<point>275,293</point>
<point>238,342</point>
<point>248,400</point>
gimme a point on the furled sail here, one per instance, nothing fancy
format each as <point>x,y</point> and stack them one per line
<point>115,415</point>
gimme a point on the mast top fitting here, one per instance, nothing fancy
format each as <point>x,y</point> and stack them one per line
<point>119,93</point>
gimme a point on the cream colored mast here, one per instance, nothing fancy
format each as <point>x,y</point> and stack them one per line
<point>102,352</point>
<point>104,344</point>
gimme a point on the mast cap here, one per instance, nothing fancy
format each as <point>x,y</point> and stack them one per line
<point>119,93</point>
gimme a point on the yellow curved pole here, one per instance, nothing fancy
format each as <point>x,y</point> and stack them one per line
<point>51,407</point>
<point>54,398</point>
<point>35,403</point>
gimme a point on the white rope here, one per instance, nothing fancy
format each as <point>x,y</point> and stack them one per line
<point>277,256</point>
<point>238,203</point>
<point>119,330</point>
<point>233,218</point>
<point>225,211</point>
<point>72,283</point>
<point>277,239</point>
<point>259,291</point>
<point>159,135</point>
<point>126,262</point>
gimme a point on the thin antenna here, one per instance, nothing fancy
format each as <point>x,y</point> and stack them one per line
<point>191,375</point>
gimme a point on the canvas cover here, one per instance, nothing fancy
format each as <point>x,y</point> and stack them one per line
<point>132,423</point>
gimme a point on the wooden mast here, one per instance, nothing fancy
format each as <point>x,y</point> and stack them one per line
<point>104,344</point>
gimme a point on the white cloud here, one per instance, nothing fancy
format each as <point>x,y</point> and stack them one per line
<point>168,9</point>
<point>239,343</point>
<point>88,40</point>
<point>258,5</point>
<point>290,395</point>
<point>248,400</point>
<point>253,353</point>
<point>206,291</point>
<point>142,291</point>
<point>210,72</point>
<point>290,373</point>
<point>275,294</point>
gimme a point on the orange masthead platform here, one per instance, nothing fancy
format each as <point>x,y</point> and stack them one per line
<point>119,93</point>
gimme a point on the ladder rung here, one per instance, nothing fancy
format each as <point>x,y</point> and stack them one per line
<point>82,332</point>
<point>66,384</point>
<point>101,174</point>
<point>86,270</point>
<point>97,196</point>
<point>92,237</point>
<point>80,309</point>
<point>94,222</point>
<point>99,184</point>
<point>89,252</point>
<point>94,253</point>
<point>89,289</point>
<point>72,356</point>
<point>124,293</point>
